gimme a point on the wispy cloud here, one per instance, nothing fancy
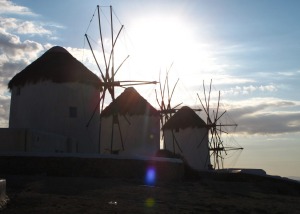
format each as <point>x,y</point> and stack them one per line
<point>289,73</point>
<point>266,116</point>
<point>249,89</point>
<point>8,7</point>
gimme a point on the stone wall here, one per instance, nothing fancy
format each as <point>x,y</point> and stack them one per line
<point>162,168</point>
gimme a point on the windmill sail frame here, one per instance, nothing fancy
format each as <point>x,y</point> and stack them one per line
<point>214,126</point>
<point>108,82</point>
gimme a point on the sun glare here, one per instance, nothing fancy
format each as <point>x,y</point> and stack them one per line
<point>157,41</point>
<point>161,38</point>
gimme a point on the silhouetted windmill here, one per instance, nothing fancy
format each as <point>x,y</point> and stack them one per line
<point>215,129</point>
<point>107,74</point>
<point>166,111</point>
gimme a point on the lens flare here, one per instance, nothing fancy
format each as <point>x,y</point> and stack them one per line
<point>150,176</point>
<point>149,202</point>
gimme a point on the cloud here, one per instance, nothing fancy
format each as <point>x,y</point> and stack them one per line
<point>273,123</point>
<point>8,23</point>
<point>15,55</point>
<point>4,111</point>
<point>14,49</point>
<point>23,27</point>
<point>289,73</point>
<point>32,28</point>
<point>8,7</point>
<point>8,69</point>
<point>246,90</point>
<point>269,88</point>
<point>85,56</point>
<point>16,52</point>
<point>266,116</point>
<point>229,80</point>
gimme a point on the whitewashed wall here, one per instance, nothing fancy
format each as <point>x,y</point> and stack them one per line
<point>28,140</point>
<point>45,106</point>
<point>140,137</point>
<point>188,140</point>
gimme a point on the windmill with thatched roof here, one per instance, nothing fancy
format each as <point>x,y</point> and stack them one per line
<point>138,123</point>
<point>56,94</point>
<point>188,130</point>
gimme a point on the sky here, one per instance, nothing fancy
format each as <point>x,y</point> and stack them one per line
<point>249,49</point>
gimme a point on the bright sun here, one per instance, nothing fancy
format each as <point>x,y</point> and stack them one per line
<point>157,41</point>
<point>163,39</point>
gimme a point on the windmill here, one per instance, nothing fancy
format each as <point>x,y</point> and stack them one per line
<point>216,128</point>
<point>109,71</point>
<point>166,111</point>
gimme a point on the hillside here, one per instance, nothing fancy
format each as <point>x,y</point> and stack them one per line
<point>202,193</point>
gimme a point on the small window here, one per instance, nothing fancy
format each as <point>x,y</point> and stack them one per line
<point>73,112</point>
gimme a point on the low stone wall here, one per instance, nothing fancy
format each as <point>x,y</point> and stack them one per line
<point>162,169</point>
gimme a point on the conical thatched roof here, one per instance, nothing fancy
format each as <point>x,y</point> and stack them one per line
<point>183,118</point>
<point>57,65</point>
<point>130,102</point>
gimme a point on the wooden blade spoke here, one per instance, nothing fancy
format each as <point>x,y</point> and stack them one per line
<point>141,83</point>
<point>202,105</point>
<point>102,106</point>
<point>160,87</point>
<point>159,104</point>
<point>164,87</point>
<point>121,65</point>
<point>86,36</point>
<point>121,137</point>
<point>220,130</point>
<point>233,148</point>
<point>168,88</point>
<point>176,141</point>
<point>127,119</point>
<point>113,46</point>
<point>95,109</point>
<point>221,115</point>
<point>101,37</point>
<point>173,90</point>
<point>204,136</point>
<point>205,99</point>
<point>209,96</point>
<point>214,116</point>
<point>218,105</point>
<point>177,105</point>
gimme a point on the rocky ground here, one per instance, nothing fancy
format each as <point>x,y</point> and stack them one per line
<point>203,193</point>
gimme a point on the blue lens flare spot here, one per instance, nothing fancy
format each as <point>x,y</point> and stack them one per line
<point>150,176</point>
